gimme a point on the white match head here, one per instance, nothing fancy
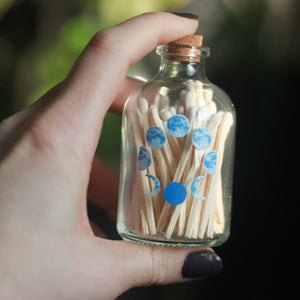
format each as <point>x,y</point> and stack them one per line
<point>198,84</point>
<point>180,110</point>
<point>200,100</point>
<point>153,110</point>
<point>208,94</point>
<point>213,121</point>
<point>182,95</point>
<point>157,99</point>
<point>165,114</point>
<point>173,110</point>
<point>190,84</point>
<point>143,104</point>
<point>164,102</point>
<point>202,113</point>
<point>192,112</point>
<point>190,99</point>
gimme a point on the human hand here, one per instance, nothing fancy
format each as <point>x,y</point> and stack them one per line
<point>47,168</point>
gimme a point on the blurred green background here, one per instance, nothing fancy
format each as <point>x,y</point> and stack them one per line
<point>255,58</point>
<point>40,40</point>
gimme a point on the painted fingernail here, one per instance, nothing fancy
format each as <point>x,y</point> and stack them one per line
<point>187,15</point>
<point>201,264</point>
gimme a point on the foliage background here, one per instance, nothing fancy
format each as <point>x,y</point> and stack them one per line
<point>255,58</point>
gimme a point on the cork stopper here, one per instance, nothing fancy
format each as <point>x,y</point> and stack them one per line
<point>187,48</point>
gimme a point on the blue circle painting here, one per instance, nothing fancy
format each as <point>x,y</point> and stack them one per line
<point>201,138</point>
<point>210,162</point>
<point>144,159</point>
<point>178,126</point>
<point>155,137</point>
<point>175,193</point>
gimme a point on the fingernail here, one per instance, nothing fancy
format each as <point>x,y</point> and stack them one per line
<point>187,15</point>
<point>201,264</point>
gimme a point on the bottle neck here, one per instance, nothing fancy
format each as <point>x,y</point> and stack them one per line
<point>184,69</point>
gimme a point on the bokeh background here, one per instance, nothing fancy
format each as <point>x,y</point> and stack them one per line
<point>255,46</point>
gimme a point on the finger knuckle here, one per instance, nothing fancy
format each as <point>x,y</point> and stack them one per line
<point>154,15</point>
<point>158,267</point>
<point>40,138</point>
<point>106,41</point>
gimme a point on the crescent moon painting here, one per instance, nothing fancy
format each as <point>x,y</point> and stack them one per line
<point>194,186</point>
<point>156,186</point>
<point>210,162</point>
<point>144,159</point>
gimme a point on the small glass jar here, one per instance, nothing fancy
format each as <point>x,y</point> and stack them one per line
<point>178,136</point>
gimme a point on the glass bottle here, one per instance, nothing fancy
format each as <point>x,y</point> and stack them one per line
<point>178,136</point>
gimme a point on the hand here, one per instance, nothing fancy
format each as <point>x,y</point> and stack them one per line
<point>47,167</point>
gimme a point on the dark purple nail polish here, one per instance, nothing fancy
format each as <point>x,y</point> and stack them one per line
<point>187,15</point>
<point>201,264</point>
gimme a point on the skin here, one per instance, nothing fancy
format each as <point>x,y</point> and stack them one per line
<point>47,169</point>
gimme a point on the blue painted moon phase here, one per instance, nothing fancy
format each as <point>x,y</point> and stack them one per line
<point>194,188</point>
<point>156,186</point>
<point>210,162</point>
<point>178,126</point>
<point>175,193</point>
<point>155,137</point>
<point>201,138</point>
<point>144,159</point>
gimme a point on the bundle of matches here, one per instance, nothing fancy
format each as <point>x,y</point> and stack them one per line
<point>180,153</point>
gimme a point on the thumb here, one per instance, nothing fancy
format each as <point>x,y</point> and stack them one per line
<point>142,265</point>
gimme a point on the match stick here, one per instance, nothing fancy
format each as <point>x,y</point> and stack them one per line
<point>173,141</point>
<point>179,171</point>
<point>137,206</point>
<point>168,155</point>
<point>163,159</point>
<point>213,226</point>
<point>197,118</point>
<point>195,211</point>
<point>143,105</point>
<point>200,101</point>
<point>208,95</point>
<point>193,217</point>
<point>220,218</point>
<point>201,116</point>
<point>223,130</point>
<point>195,222</point>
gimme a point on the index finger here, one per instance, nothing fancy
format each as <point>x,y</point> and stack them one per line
<point>99,74</point>
<point>102,67</point>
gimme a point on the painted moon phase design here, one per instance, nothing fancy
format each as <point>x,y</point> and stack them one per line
<point>144,159</point>
<point>210,162</point>
<point>178,126</point>
<point>201,138</point>
<point>156,186</point>
<point>175,193</point>
<point>194,188</point>
<point>155,137</point>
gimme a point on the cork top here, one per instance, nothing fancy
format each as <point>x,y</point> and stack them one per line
<point>189,40</point>
<point>187,48</point>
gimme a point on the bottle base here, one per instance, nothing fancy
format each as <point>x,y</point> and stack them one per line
<point>175,242</point>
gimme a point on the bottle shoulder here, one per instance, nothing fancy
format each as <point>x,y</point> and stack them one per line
<point>175,92</point>
<point>219,95</point>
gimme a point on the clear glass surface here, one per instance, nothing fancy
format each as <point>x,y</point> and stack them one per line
<point>178,136</point>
